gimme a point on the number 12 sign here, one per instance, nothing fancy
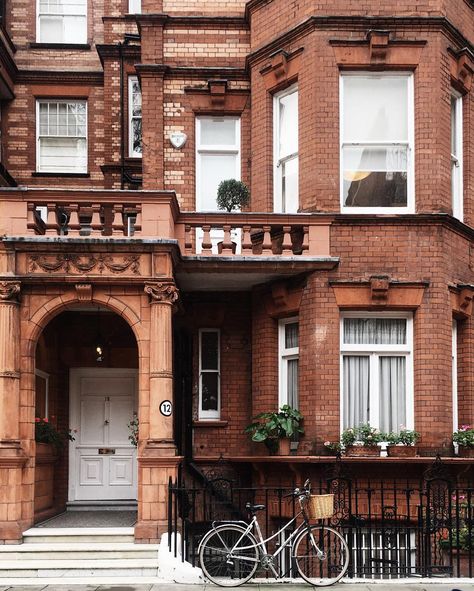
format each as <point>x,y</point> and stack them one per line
<point>166,408</point>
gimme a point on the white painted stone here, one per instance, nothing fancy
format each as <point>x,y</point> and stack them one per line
<point>172,568</point>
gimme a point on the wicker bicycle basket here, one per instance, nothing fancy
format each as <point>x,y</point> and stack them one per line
<point>320,506</point>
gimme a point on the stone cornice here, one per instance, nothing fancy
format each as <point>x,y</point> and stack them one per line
<point>162,292</point>
<point>361,23</point>
<point>115,50</point>
<point>60,77</point>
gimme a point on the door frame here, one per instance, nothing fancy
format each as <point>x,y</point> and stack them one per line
<point>75,373</point>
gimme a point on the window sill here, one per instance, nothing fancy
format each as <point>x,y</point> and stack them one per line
<point>216,424</point>
<point>79,46</point>
<point>80,175</point>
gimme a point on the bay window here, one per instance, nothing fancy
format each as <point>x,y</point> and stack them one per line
<point>62,21</point>
<point>209,374</point>
<point>288,345</point>
<point>285,139</point>
<point>62,136</point>
<point>377,140</point>
<point>377,371</point>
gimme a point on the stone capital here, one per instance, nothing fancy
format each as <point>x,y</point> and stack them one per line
<point>9,291</point>
<point>162,293</point>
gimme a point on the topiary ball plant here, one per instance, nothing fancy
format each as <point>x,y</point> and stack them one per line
<point>232,194</point>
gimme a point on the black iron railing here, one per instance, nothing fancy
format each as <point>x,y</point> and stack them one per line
<point>394,530</point>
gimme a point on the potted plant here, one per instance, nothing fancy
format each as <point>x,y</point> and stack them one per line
<point>333,447</point>
<point>275,429</point>
<point>402,444</point>
<point>232,194</point>
<point>361,441</point>
<point>464,437</point>
<point>46,433</point>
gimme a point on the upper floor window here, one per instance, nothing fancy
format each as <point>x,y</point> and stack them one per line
<point>209,374</point>
<point>134,6</point>
<point>377,371</point>
<point>285,138</point>
<point>377,143</point>
<point>134,118</point>
<point>217,157</point>
<point>62,21</point>
<point>456,155</point>
<point>288,344</point>
<point>62,136</point>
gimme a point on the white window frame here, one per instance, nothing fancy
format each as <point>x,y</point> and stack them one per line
<point>131,152</point>
<point>454,373</point>
<point>374,352</point>
<point>277,161</point>
<point>215,149</point>
<point>62,42</point>
<point>38,138</point>
<point>457,158</point>
<point>211,415</point>
<point>410,206</point>
<point>44,376</point>
<point>285,355</point>
<point>134,6</point>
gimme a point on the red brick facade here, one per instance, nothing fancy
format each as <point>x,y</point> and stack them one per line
<point>215,58</point>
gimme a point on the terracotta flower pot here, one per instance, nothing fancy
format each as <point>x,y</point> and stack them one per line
<point>284,445</point>
<point>362,450</point>
<point>466,452</point>
<point>401,451</point>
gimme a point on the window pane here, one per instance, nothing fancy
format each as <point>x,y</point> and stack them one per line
<point>454,124</point>
<point>392,380</point>
<point>292,382</point>
<point>356,379</point>
<point>375,109</point>
<point>289,179</point>
<point>137,136</point>
<point>63,155</point>
<point>375,331</point>
<point>291,335</point>
<point>210,391</point>
<point>214,169</point>
<point>218,131</point>
<point>209,350</point>
<point>375,176</point>
<point>288,133</point>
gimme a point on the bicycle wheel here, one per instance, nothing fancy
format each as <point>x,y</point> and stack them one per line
<point>321,555</point>
<point>228,556</point>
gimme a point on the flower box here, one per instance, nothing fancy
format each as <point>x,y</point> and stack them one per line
<point>465,451</point>
<point>362,451</point>
<point>401,451</point>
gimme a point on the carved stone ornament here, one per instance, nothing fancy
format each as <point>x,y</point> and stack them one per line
<point>9,290</point>
<point>84,292</point>
<point>70,263</point>
<point>178,139</point>
<point>166,293</point>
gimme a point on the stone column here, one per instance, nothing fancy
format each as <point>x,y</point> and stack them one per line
<point>12,457</point>
<point>158,461</point>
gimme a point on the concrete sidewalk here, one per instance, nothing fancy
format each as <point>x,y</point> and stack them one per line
<point>466,585</point>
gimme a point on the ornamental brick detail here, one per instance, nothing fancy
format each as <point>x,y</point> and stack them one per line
<point>166,293</point>
<point>9,290</point>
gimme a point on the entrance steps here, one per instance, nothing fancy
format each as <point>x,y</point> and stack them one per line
<point>78,553</point>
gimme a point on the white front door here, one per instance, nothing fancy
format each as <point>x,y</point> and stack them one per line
<point>102,461</point>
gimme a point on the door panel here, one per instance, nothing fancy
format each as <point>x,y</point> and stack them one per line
<point>102,459</point>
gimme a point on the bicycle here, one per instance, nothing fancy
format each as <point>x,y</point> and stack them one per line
<point>230,553</point>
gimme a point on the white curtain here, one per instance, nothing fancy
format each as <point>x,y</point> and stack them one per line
<point>392,389</point>
<point>292,384</point>
<point>375,331</point>
<point>356,374</point>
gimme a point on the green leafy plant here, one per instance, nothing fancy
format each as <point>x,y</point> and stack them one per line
<point>363,434</point>
<point>271,426</point>
<point>133,427</point>
<point>464,436</point>
<point>334,447</point>
<point>232,194</point>
<point>45,432</point>
<point>403,437</point>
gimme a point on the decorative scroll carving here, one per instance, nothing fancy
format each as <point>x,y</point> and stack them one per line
<point>84,263</point>
<point>84,292</point>
<point>162,292</point>
<point>462,69</point>
<point>282,70</point>
<point>9,290</point>
<point>378,45</point>
<point>379,287</point>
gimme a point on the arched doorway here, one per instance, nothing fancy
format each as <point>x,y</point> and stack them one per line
<point>86,367</point>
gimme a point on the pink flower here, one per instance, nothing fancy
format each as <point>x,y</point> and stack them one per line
<point>326,443</point>
<point>45,420</point>
<point>37,419</point>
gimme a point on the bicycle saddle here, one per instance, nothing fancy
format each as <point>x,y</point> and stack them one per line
<point>254,508</point>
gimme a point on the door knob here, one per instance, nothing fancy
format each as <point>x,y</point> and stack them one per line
<point>106,422</point>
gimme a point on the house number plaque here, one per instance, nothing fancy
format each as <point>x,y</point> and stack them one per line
<point>106,451</point>
<point>166,408</point>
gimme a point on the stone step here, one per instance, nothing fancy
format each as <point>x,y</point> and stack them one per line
<point>101,506</point>
<point>42,535</point>
<point>77,550</point>
<point>136,567</point>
